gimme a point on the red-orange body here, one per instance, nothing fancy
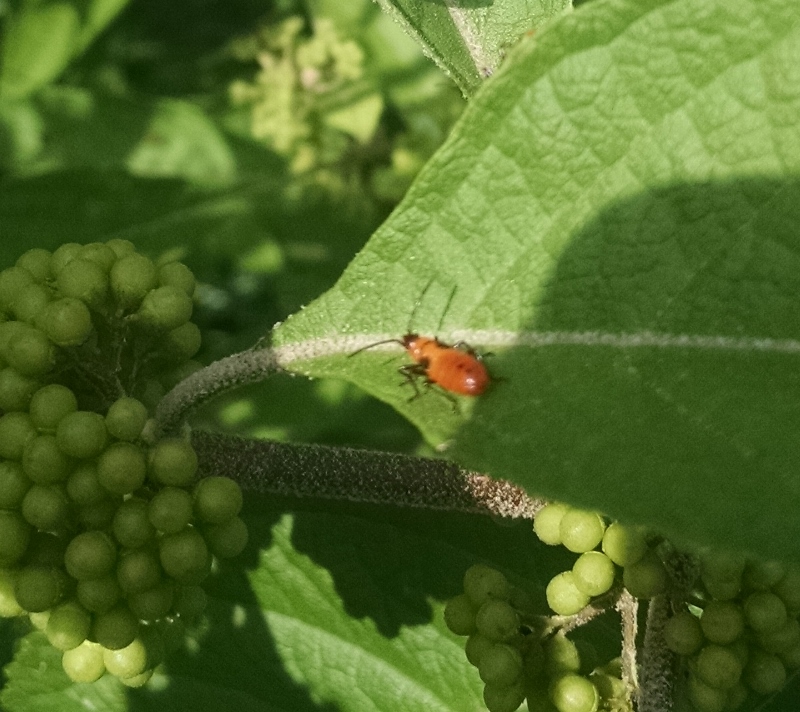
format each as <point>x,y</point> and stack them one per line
<point>457,369</point>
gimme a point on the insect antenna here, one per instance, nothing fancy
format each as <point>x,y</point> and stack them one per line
<point>377,343</point>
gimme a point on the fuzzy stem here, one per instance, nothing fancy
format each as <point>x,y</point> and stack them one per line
<point>656,693</point>
<point>628,608</point>
<point>200,387</point>
<point>268,467</point>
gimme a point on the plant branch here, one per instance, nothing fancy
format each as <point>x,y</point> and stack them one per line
<point>655,692</point>
<point>268,467</point>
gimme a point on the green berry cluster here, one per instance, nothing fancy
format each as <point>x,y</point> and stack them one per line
<point>519,658</point>
<point>740,634</point>
<point>105,532</point>
<point>602,548</point>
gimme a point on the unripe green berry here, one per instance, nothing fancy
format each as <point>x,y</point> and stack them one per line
<point>459,615</point>
<point>185,556</point>
<point>764,673</point>
<point>90,555</point>
<point>131,526</point>
<point>115,629</point>
<point>154,603</point>
<point>38,588</point>
<point>581,531</point>
<point>83,486</point>
<point>138,570</point>
<point>683,634</point>
<point>66,321</point>
<point>704,697</point>
<point>217,500</point>
<point>64,254</point>
<point>177,274</point>
<point>718,666</point>
<point>100,594</point>
<point>84,663</point>
<point>30,303</point>
<point>50,404</point>
<point>173,461</point>
<point>502,698</point>
<point>624,545</point>
<point>482,583</point>
<point>564,596</point>
<point>476,646</point>
<point>574,693</point>
<point>165,308</point>
<point>561,656</point>
<point>547,523</point>
<point>181,344</point>
<point>14,484</point>
<point>593,573</point>
<point>781,639</point>
<point>170,510</point>
<point>82,434</point>
<point>646,578</point>
<point>16,390</point>
<point>120,247</point>
<point>16,429</point>
<point>68,626</point>
<point>46,507</point>
<point>722,621</point>
<point>122,468</point>
<point>762,575</point>
<point>228,539</point>
<point>132,277</point>
<point>102,255</point>
<point>500,665</point>
<point>44,462</point>
<point>30,352</point>
<point>85,280</point>
<point>764,612</point>
<point>15,534</point>
<point>788,588</point>
<point>38,262</point>
<point>497,620</point>
<point>126,418</point>
<point>128,661</point>
<point>12,280</point>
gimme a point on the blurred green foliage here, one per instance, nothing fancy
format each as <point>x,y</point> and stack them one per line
<point>262,143</point>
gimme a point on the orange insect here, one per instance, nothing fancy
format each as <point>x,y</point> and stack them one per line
<point>455,368</point>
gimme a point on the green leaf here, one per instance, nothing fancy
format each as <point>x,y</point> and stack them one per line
<point>306,620</point>
<point>469,39</point>
<point>616,218</point>
<point>37,45</point>
<point>41,38</point>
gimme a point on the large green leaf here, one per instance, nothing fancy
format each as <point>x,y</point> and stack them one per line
<point>469,38</point>
<point>616,218</point>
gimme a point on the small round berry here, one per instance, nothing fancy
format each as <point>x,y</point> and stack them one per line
<point>50,404</point>
<point>15,535</point>
<point>228,539</point>
<point>704,697</point>
<point>122,468</point>
<point>131,525</point>
<point>564,596</point>
<point>581,531</point>
<point>718,666</point>
<point>116,628</point>
<point>100,594</point>
<point>624,545</point>
<point>16,390</point>
<point>44,462</point>
<point>14,484</point>
<point>132,277</point>
<point>30,352</point>
<point>66,321</point>
<point>63,254</point>
<point>181,344</point>
<point>185,556</point>
<point>170,510</point>
<point>83,486</point>
<point>593,573</point>
<point>85,280</point>
<point>138,570</point>
<point>165,308</point>
<point>128,661</point>
<point>764,673</point>
<point>82,434</point>
<point>217,500</point>
<point>762,575</point>
<point>476,646</point>
<point>68,625</point>
<point>482,583</point>
<point>173,461</point>
<point>764,612</point>
<point>38,262</point>
<point>84,663</point>
<point>90,555</point>
<point>574,693</point>
<point>102,255</point>
<point>500,665</point>
<point>497,620</point>
<point>46,507</point>
<point>722,622</point>
<point>561,656</point>
<point>38,588</point>
<point>459,615</point>
<point>16,429</point>
<point>502,698</point>
<point>547,523</point>
<point>683,634</point>
<point>177,274</point>
<point>126,418</point>
<point>154,603</point>
<point>646,578</point>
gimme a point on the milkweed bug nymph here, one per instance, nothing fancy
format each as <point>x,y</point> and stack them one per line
<point>455,368</point>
